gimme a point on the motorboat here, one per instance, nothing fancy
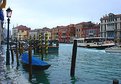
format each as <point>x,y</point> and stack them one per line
<point>114,49</point>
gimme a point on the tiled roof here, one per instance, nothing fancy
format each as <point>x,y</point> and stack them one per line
<point>118,15</point>
<point>21,27</point>
<point>84,23</point>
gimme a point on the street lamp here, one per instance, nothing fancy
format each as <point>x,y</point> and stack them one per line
<point>8,12</point>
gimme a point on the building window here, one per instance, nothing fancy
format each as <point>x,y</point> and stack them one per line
<point>77,30</point>
<point>63,34</point>
<point>120,34</point>
<point>105,27</point>
<point>120,25</point>
<point>105,20</point>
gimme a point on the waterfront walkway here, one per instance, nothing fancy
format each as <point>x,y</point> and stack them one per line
<point>9,74</point>
<point>2,70</point>
<point>3,77</point>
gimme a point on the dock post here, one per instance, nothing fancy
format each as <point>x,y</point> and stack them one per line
<point>12,56</point>
<point>41,46</point>
<point>22,49</point>
<point>30,58</point>
<point>30,62</point>
<point>17,59</point>
<point>46,43</point>
<point>73,61</point>
<point>115,81</point>
<point>19,44</point>
<point>57,43</point>
<point>34,44</point>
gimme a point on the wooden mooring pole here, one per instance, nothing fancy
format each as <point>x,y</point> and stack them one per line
<point>30,62</point>
<point>34,37</point>
<point>115,82</point>
<point>19,44</point>
<point>17,59</point>
<point>73,61</point>
<point>30,58</point>
<point>12,56</point>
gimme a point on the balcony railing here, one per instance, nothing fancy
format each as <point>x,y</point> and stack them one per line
<point>110,29</point>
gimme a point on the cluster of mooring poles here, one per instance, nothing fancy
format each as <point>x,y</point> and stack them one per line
<point>17,50</point>
<point>33,44</point>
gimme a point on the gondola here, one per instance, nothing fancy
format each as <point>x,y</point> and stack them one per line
<point>37,63</point>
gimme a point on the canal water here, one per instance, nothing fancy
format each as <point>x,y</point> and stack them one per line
<point>92,67</point>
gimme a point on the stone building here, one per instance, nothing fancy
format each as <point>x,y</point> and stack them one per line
<point>42,31</point>
<point>20,32</point>
<point>33,33</point>
<point>110,26</point>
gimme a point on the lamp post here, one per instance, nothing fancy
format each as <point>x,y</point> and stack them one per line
<point>9,12</point>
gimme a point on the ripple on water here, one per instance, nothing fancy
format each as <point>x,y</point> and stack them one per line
<point>92,67</point>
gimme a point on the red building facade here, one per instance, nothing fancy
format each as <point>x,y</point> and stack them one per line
<point>87,29</point>
<point>63,33</point>
<point>90,32</point>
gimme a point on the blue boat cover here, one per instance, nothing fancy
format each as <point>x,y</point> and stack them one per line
<point>35,60</point>
<point>1,15</point>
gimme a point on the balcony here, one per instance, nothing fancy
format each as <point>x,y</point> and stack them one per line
<point>110,29</point>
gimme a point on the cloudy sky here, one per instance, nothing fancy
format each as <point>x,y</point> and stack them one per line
<point>52,13</point>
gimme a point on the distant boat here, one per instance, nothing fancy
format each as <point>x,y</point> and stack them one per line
<point>36,62</point>
<point>115,49</point>
<point>94,42</point>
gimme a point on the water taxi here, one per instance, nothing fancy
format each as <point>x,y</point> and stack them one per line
<point>95,42</point>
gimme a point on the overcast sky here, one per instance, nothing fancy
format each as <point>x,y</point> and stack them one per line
<point>52,13</point>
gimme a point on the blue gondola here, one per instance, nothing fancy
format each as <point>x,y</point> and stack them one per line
<point>36,63</point>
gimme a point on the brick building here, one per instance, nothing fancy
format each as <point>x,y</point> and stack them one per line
<point>63,33</point>
<point>87,29</point>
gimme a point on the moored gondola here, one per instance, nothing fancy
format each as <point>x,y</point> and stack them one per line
<point>37,63</point>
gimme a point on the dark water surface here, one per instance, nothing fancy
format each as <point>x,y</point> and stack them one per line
<point>92,67</point>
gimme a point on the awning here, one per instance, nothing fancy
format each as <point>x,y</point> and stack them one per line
<point>1,15</point>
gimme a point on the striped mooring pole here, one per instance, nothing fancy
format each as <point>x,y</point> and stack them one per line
<point>34,43</point>
<point>40,45</point>
<point>46,43</point>
<point>30,40</point>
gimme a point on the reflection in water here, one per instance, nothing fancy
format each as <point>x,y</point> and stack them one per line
<point>40,77</point>
<point>14,76</point>
<point>37,76</point>
<point>92,67</point>
<point>73,80</point>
